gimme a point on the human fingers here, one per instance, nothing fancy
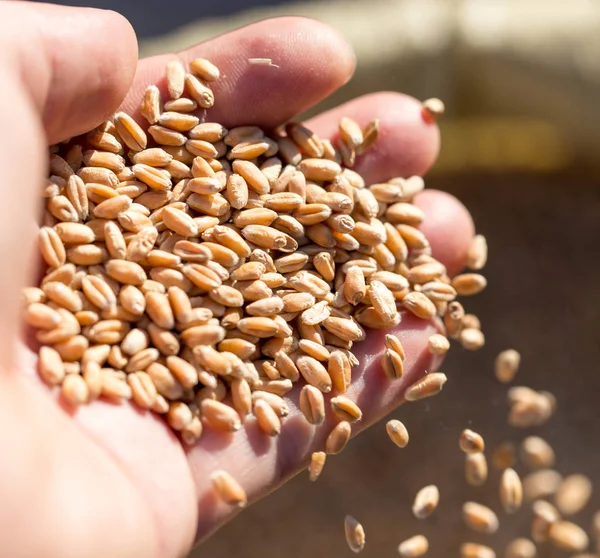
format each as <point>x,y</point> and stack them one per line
<point>75,63</point>
<point>310,61</point>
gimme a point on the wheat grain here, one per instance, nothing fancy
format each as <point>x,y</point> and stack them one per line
<point>414,547</point>
<point>355,534</point>
<point>426,501</point>
<point>521,548</point>
<point>573,494</point>
<point>397,433</point>
<point>568,537</point>
<point>476,469</point>
<point>474,550</point>
<point>511,491</point>
<point>338,438</point>
<point>228,489</point>
<point>317,462</point>
<point>480,518</point>
<point>471,442</point>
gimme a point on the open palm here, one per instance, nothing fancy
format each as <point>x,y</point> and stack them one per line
<point>111,480</point>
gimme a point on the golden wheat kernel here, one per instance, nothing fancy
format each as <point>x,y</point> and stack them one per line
<point>72,349</point>
<point>32,295</point>
<point>289,152</point>
<point>181,105</point>
<point>471,442</point>
<point>75,390</point>
<point>467,284</point>
<point>382,300</point>
<point>426,501</point>
<point>50,366</point>
<point>397,433</point>
<point>314,349</point>
<point>306,139</point>
<point>220,416</point>
<point>345,409</point>
<point>536,453</point>
<point>319,169</point>
<point>544,515</point>
<point>568,537</point>
<point>370,133</point>
<point>414,547</point>
<point>511,491</point>
<point>477,253</point>
<point>275,401</point>
<point>165,382</point>
<point>277,387</point>
<point>426,272</point>
<point>506,365</point>
<point>114,385</point>
<point>267,419</point>
<point>474,550</point>
<point>394,344</point>
<point>339,370</point>
<point>241,396</point>
<point>504,455</point>
<point>355,534</point>
<point>179,415</point>
<point>204,69</point>
<point>428,386</point>
<point>240,134</point>
<point>471,339</point>
<point>151,104</point>
<point>573,494</point>
<point>476,469</point>
<point>42,316</point>
<point>347,153</point>
<point>317,462</point>
<point>199,91</point>
<point>480,518</point>
<point>161,405</point>
<point>228,489</point>
<point>541,484</point>
<point>438,344</point>
<point>432,109</point>
<point>143,390</point>
<point>192,432</point>
<point>208,358</point>
<point>418,304</point>
<point>338,438</point>
<point>521,548</point>
<point>351,132</point>
<point>178,121</point>
<point>116,359</point>
<point>392,364</point>
<point>184,371</point>
<point>258,326</point>
<point>314,373</point>
<point>345,329</point>
<point>529,408</point>
<point>100,140</point>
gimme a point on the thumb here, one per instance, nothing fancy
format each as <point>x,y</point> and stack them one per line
<point>64,70</point>
<point>77,64</point>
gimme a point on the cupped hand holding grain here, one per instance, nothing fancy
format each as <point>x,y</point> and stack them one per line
<point>111,480</point>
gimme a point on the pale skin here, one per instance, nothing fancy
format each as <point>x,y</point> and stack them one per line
<point>107,480</point>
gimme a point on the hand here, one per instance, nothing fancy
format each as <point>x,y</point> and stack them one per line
<point>111,480</point>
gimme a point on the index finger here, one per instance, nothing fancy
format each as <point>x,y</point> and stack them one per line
<point>310,60</point>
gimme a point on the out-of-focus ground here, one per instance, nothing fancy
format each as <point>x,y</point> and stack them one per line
<point>521,146</point>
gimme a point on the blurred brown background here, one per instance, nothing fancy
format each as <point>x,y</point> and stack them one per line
<point>521,148</point>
